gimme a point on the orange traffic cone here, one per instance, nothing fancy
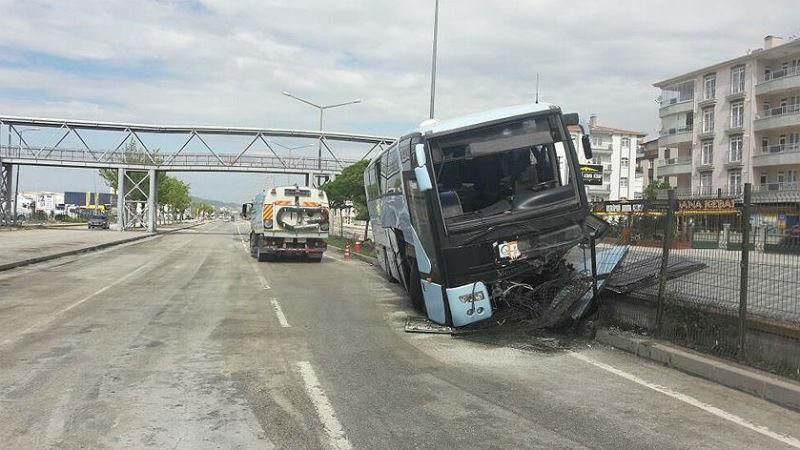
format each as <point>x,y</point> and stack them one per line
<point>347,250</point>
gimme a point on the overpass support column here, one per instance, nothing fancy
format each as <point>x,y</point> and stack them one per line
<point>121,199</point>
<point>6,171</point>
<point>152,195</point>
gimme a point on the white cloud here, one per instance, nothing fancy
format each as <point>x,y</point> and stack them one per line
<point>227,61</point>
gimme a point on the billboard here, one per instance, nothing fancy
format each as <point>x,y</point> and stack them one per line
<point>592,174</point>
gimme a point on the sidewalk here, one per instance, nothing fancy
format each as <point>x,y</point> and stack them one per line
<point>778,390</point>
<point>24,247</point>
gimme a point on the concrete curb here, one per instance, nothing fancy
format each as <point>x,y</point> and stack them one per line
<point>767,386</point>
<point>367,259</point>
<point>38,259</point>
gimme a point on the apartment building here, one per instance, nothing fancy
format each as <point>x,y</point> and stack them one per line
<point>732,123</point>
<point>615,149</point>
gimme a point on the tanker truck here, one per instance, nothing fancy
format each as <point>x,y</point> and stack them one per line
<point>288,221</point>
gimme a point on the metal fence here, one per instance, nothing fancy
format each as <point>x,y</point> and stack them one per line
<point>719,275</point>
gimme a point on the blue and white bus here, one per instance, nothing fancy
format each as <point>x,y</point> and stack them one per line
<point>460,205</point>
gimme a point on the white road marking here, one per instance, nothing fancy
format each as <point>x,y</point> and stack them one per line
<point>264,282</point>
<point>788,440</point>
<point>331,257</point>
<point>338,440</point>
<point>279,313</point>
<point>53,316</point>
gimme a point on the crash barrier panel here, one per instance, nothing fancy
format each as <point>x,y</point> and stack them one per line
<point>718,274</point>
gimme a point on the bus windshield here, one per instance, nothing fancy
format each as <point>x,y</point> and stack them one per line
<point>502,169</point>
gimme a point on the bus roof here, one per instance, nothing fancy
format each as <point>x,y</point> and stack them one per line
<point>435,127</point>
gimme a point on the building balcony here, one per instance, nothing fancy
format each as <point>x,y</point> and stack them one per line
<point>675,166</point>
<point>776,187</point>
<point>781,117</point>
<point>777,192</point>
<point>779,81</point>
<point>706,102</point>
<point>604,147</point>
<point>598,189</point>
<point>705,130</point>
<point>734,128</point>
<point>676,107</point>
<point>736,95</point>
<point>675,136</point>
<point>734,163</point>
<point>705,167</point>
<point>777,155</point>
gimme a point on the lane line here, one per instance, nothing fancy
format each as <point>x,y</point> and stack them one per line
<point>261,278</point>
<point>78,303</point>
<point>786,439</point>
<point>337,439</point>
<point>279,312</point>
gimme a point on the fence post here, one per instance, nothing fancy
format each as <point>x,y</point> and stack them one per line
<point>744,265</point>
<point>667,245</point>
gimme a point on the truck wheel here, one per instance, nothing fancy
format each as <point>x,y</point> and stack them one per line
<point>262,256</point>
<point>252,245</point>
<point>414,287</point>
<point>315,258</point>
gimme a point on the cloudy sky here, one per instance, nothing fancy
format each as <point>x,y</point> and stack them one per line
<point>226,62</point>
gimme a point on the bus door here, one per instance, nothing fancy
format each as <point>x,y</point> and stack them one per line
<point>423,213</point>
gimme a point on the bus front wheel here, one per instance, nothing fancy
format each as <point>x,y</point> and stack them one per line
<point>414,286</point>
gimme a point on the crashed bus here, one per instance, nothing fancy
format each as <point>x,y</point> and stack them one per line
<point>464,210</point>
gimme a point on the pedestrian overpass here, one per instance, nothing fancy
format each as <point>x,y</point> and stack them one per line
<point>180,148</point>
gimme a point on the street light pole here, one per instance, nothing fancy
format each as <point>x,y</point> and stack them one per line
<point>433,58</point>
<point>322,109</point>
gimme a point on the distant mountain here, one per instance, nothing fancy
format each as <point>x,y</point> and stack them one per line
<point>217,204</point>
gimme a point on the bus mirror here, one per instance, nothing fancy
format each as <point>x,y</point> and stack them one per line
<point>587,146</point>
<point>419,150</point>
<point>571,119</point>
<point>423,179</point>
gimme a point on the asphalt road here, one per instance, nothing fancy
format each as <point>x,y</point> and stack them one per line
<point>183,341</point>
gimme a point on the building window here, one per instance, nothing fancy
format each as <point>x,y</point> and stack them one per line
<point>624,163</point>
<point>708,120</point>
<point>737,79</point>
<point>764,145</point>
<point>735,149</point>
<point>705,183</point>
<point>623,182</point>
<point>677,93</point>
<point>791,179</point>
<point>626,142</point>
<point>735,182</point>
<point>707,153</point>
<point>737,115</point>
<point>710,86</point>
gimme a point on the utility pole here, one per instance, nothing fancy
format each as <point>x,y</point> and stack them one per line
<point>433,58</point>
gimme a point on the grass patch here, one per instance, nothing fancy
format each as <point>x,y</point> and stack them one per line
<point>367,249</point>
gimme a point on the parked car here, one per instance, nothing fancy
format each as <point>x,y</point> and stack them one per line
<point>98,222</point>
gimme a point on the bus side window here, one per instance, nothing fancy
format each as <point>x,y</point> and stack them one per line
<point>405,154</point>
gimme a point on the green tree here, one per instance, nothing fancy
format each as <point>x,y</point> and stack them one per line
<point>170,192</point>
<point>651,191</point>
<point>348,189</point>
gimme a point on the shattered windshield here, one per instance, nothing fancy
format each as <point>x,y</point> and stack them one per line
<point>502,169</point>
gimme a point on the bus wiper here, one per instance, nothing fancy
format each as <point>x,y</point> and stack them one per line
<point>494,228</point>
